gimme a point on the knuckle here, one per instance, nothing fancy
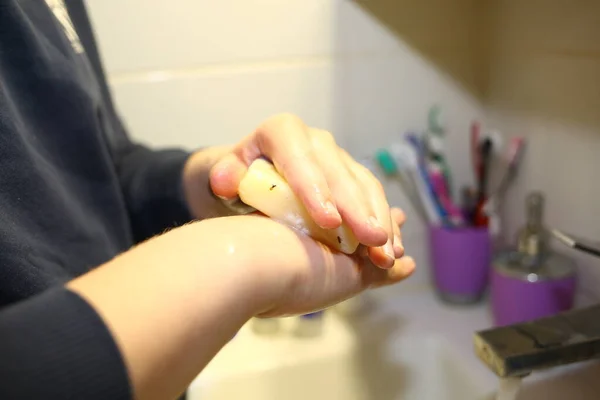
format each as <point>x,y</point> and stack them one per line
<point>378,185</point>
<point>287,119</point>
<point>278,124</point>
<point>323,135</point>
<point>371,179</point>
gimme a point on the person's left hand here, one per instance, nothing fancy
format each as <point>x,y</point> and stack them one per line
<point>330,183</point>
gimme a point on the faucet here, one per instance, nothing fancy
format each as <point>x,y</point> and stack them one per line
<point>565,338</point>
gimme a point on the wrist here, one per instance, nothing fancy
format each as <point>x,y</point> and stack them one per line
<point>230,250</point>
<point>224,260</point>
<point>249,248</point>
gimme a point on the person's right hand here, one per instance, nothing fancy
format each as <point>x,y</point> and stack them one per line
<point>293,274</point>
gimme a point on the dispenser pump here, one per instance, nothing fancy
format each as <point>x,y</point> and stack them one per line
<point>532,241</point>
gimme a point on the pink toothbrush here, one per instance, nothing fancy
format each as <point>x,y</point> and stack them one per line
<point>438,181</point>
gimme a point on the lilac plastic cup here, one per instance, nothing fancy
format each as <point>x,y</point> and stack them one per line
<point>520,296</point>
<point>461,259</point>
<point>515,301</point>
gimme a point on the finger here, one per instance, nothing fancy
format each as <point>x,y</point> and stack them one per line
<point>349,194</point>
<point>285,140</point>
<point>398,216</point>
<point>376,277</point>
<point>226,175</point>
<point>398,219</point>
<point>382,256</point>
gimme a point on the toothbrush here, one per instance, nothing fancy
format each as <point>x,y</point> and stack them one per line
<point>468,203</point>
<point>393,167</point>
<point>514,155</point>
<point>407,155</point>
<point>433,120</point>
<point>513,159</point>
<point>486,148</point>
<point>475,155</point>
<point>436,153</point>
<point>419,159</point>
<point>439,184</point>
<point>491,207</point>
<point>434,142</point>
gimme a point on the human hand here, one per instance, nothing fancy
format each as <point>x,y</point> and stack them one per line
<point>330,184</point>
<point>297,275</point>
<point>173,301</point>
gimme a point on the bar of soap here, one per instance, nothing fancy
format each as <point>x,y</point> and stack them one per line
<point>264,189</point>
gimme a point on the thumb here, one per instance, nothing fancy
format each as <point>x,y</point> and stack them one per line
<point>226,175</point>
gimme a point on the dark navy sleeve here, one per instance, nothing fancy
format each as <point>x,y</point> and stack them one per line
<point>55,346</point>
<point>151,180</point>
<point>151,183</point>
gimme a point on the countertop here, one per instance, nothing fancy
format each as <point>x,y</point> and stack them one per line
<point>424,313</point>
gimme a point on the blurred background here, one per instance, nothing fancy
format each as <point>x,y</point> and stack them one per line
<point>196,73</point>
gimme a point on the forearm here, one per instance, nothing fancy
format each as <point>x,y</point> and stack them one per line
<point>172,302</point>
<point>202,203</point>
<point>168,314</point>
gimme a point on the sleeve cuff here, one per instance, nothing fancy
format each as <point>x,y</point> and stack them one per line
<point>55,346</point>
<point>155,192</point>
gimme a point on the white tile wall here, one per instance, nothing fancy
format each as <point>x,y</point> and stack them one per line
<point>197,72</point>
<point>181,34</point>
<point>220,107</point>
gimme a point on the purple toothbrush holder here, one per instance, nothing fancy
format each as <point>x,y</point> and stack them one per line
<point>519,294</point>
<point>461,260</point>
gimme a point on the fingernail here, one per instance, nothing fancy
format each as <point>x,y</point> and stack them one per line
<point>388,249</point>
<point>374,222</point>
<point>398,243</point>
<point>330,208</point>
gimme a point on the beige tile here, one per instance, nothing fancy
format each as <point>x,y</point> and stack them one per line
<point>558,26</point>
<point>426,24</point>
<point>452,35</point>
<point>560,88</point>
<point>221,108</point>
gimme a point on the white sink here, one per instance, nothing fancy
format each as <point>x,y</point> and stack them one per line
<point>577,382</point>
<point>345,362</point>
<point>408,348</point>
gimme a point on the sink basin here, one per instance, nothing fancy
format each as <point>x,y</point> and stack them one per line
<point>578,381</point>
<point>344,362</point>
<point>408,347</point>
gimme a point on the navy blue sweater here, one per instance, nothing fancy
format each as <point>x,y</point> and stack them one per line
<point>74,192</point>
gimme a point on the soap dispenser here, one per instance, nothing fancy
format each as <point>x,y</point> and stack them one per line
<point>531,281</point>
<point>532,239</point>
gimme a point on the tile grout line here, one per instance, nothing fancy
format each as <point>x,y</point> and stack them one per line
<point>155,75</point>
<point>158,75</point>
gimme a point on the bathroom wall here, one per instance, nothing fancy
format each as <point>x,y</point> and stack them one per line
<point>545,85</point>
<point>197,72</point>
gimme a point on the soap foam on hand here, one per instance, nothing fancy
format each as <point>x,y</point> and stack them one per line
<point>264,189</point>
